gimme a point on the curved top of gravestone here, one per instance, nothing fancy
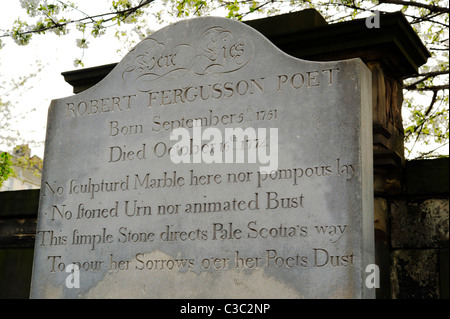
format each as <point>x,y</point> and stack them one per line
<point>178,54</point>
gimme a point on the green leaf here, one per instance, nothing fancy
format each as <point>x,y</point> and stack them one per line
<point>6,169</point>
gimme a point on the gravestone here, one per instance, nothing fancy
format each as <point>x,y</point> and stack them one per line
<point>209,164</point>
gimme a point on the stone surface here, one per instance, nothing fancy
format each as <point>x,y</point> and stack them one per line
<point>420,224</point>
<point>22,203</point>
<point>137,224</point>
<point>415,274</point>
<point>427,177</point>
<point>15,273</point>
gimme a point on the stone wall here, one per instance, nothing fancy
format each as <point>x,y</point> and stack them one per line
<point>18,213</point>
<point>419,226</point>
<point>411,226</point>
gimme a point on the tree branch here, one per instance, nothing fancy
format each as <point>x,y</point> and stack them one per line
<point>427,18</point>
<point>430,7</point>
<point>425,76</point>
<point>433,88</point>
<point>127,12</point>
<point>429,154</point>
<point>75,8</point>
<point>257,8</point>
<point>418,128</point>
<point>439,49</point>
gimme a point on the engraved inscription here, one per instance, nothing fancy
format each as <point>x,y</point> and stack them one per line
<point>217,51</point>
<point>98,106</point>
<point>115,204</point>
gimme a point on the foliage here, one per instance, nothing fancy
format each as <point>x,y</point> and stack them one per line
<point>6,169</point>
<point>12,166</point>
<point>425,109</point>
<point>11,90</point>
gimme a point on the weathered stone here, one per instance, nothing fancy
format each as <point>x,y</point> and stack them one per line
<point>420,223</point>
<point>140,220</point>
<point>15,204</point>
<point>415,274</point>
<point>381,215</point>
<point>444,273</point>
<point>382,246</point>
